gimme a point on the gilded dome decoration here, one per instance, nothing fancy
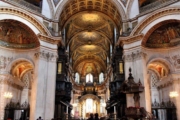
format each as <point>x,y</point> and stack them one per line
<point>167,35</point>
<point>14,34</point>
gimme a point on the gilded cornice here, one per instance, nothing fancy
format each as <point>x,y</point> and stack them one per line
<point>23,14</point>
<point>153,17</point>
<point>128,40</point>
<point>51,39</point>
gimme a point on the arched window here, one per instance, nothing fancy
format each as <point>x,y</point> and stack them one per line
<point>101,77</point>
<point>89,105</point>
<point>89,78</point>
<point>77,77</point>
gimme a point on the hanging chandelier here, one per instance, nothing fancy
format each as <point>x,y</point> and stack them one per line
<point>8,95</point>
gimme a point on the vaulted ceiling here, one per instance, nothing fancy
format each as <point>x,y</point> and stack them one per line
<point>90,29</point>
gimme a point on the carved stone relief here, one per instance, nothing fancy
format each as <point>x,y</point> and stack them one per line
<point>134,56</point>
<point>175,60</point>
<point>4,62</point>
<point>46,56</point>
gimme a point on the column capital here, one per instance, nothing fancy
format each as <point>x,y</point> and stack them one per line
<point>134,56</point>
<point>46,55</point>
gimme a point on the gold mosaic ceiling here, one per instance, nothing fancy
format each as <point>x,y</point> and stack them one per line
<point>90,26</point>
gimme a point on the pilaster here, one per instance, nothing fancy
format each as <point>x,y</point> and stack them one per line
<point>43,85</point>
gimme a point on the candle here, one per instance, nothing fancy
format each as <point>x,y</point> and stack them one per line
<point>114,109</point>
<point>67,109</point>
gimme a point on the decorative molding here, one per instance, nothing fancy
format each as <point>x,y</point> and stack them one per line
<point>134,56</point>
<point>23,14</point>
<point>175,60</point>
<point>52,40</point>
<point>128,40</point>
<point>153,17</point>
<point>47,56</point>
<point>4,62</point>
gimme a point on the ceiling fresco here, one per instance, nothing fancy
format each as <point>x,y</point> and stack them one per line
<point>167,35</point>
<point>14,34</point>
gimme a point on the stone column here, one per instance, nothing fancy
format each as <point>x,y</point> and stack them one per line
<point>136,59</point>
<point>43,85</point>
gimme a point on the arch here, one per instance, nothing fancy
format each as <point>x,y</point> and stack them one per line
<point>167,64</point>
<point>115,2</point>
<point>89,96</point>
<point>155,18</point>
<point>22,16</point>
<point>13,62</point>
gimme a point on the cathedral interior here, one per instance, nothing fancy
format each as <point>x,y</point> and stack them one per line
<point>67,59</point>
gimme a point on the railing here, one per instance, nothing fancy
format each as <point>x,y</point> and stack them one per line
<point>156,5</point>
<point>24,4</point>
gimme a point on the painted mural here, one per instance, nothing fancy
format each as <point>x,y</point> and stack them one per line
<point>14,34</point>
<point>167,35</point>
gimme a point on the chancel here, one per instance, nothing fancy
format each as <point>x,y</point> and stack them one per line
<point>69,59</point>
